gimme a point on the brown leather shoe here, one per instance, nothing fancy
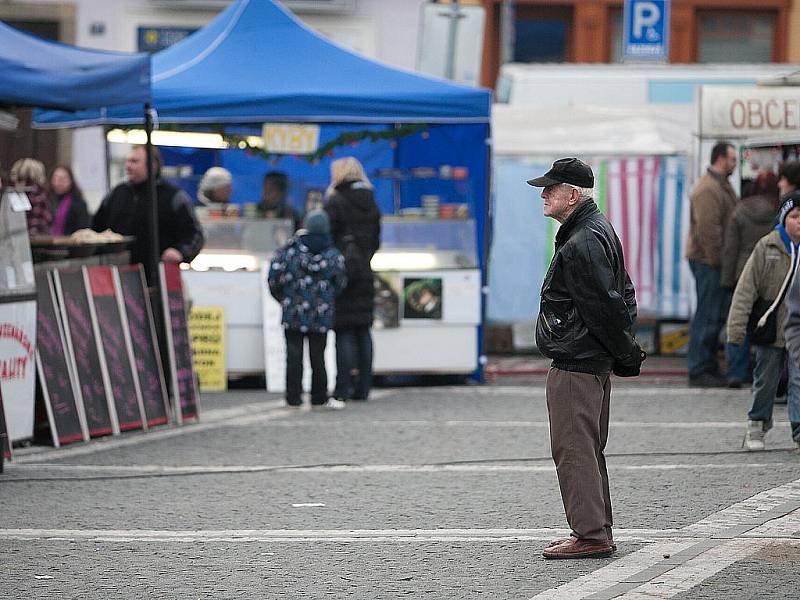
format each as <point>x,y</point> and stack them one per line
<point>569,539</point>
<point>576,548</point>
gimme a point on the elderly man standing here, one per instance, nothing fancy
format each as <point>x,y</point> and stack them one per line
<point>712,203</point>
<point>585,324</point>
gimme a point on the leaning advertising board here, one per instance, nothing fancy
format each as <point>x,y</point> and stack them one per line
<point>184,387</point>
<point>57,383</point>
<point>114,348</point>
<point>141,325</point>
<point>76,314</point>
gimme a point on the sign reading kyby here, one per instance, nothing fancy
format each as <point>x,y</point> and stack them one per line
<point>646,32</point>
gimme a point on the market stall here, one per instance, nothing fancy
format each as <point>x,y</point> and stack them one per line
<point>763,122</point>
<point>256,71</point>
<point>36,72</point>
<point>640,156</point>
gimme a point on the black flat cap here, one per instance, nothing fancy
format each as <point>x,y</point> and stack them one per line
<point>566,170</point>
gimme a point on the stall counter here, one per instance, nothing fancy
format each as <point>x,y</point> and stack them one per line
<point>428,297</point>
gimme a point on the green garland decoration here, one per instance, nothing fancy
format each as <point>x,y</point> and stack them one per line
<point>345,139</point>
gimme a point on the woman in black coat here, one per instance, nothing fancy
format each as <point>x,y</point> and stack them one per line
<point>356,230</point>
<point>67,203</point>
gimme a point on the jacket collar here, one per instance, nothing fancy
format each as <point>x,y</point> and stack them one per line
<point>718,176</point>
<point>587,209</point>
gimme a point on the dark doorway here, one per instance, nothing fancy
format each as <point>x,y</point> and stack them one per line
<point>26,142</point>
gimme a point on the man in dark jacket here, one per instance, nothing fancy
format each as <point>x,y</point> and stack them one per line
<point>124,210</point>
<point>585,323</point>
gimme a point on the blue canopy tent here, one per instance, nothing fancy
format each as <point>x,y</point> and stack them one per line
<point>257,63</point>
<point>45,74</point>
<point>40,73</point>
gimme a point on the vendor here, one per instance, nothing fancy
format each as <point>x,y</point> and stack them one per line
<point>125,208</point>
<point>215,187</point>
<point>275,203</point>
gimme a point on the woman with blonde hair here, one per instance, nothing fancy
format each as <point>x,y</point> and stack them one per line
<point>29,173</point>
<point>356,231</point>
<point>344,170</point>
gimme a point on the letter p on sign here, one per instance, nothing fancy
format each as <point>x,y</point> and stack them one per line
<point>646,31</point>
<point>645,14</point>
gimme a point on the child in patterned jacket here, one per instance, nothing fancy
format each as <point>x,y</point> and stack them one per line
<point>305,276</point>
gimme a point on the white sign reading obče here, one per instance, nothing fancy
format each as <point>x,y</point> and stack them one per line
<point>290,138</point>
<point>727,111</point>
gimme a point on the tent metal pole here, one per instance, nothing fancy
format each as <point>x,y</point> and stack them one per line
<point>151,268</point>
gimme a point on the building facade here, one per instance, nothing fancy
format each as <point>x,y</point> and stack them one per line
<point>591,31</point>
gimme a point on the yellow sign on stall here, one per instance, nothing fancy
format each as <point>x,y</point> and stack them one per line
<point>290,138</point>
<point>207,330</point>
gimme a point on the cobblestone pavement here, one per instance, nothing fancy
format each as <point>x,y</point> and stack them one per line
<point>420,492</point>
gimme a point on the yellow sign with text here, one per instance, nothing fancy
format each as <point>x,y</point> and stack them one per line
<point>290,138</point>
<point>207,330</point>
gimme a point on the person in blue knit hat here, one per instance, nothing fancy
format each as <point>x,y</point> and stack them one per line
<point>305,276</point>
<point>758,309</point>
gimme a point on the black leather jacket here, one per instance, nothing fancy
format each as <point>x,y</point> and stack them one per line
<point>588,302</point>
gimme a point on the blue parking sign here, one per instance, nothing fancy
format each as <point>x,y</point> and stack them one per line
<point>646,36</point>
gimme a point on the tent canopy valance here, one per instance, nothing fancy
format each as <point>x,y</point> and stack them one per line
<point>256,62</point>
<point>37,72</point>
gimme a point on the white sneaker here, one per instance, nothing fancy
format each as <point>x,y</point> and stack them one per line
<point>754,438</point>
<point>335,404</point>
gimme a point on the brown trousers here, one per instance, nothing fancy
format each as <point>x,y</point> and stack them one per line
<point>578,405</point>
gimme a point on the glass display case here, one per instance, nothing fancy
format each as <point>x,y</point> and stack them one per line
<point>426,244</point>
<point>235,244</point>
<point>16,266</point>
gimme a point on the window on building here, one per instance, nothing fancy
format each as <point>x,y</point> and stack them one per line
<point>735,37</point>
<point>542,34</point>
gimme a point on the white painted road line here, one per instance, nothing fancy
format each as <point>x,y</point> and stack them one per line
<point>295,535</point>
<point>346,422</point>
<point>750,511</point>
<point>696,570</point>
<point>616,392</point>
<point>612,574</point>
<point>781,526</point>
<point>101,470</point>
<point>767,514</point>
